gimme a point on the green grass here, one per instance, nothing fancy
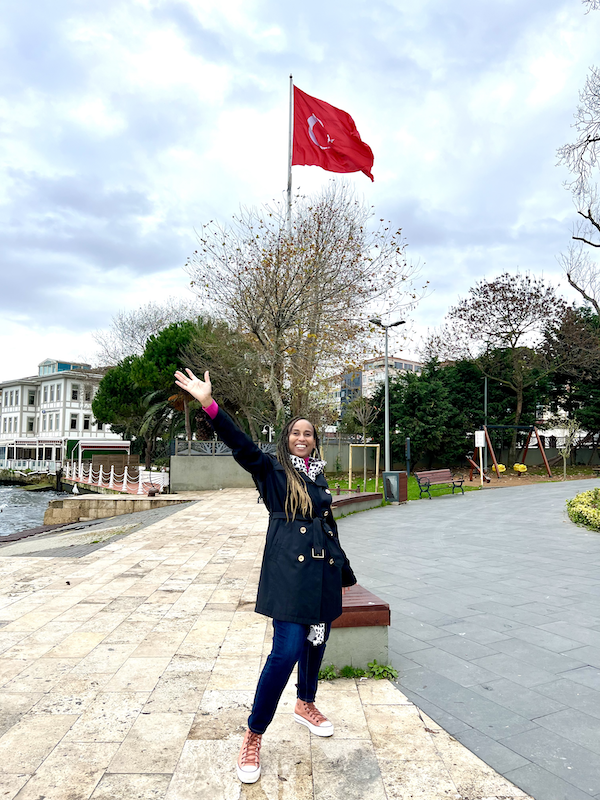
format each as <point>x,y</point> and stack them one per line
<point>413,487</point>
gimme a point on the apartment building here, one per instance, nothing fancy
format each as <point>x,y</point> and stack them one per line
<point>48,417</point>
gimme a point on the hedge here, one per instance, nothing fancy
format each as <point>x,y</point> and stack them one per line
<point>584,509</point>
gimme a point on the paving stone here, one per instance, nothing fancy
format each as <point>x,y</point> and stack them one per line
<point>71,770</point>
<point>346,769</point>
<point>573,764</point>
<point>491,751</point>
<point>521,672</point>
<point>132,787</point>
<point>573,694</point>
<point>574,725</point>
<point>153,743</point>
<point>25,745</point>
<point>543,784</point>
<point>526,702</point>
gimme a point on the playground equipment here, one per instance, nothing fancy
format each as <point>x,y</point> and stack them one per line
<point>377,457</point>
<point>531,430</point>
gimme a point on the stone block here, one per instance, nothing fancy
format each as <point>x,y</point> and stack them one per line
<point>357,646</point>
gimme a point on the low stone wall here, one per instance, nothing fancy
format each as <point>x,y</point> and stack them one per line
<point>92,506</point>
<point>206,473</point>
<point>350,503</point>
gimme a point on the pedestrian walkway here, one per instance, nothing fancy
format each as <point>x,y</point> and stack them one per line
<point>127,674</point>
<point>495,600</point>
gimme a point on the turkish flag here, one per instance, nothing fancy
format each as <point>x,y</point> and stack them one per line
<point>326,137</point>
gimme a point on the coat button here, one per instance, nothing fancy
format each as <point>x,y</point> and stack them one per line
<point>330,533</point>
<point>326,513</point>
<point>327,491</point>
<point>331,561</point>
<point>303,529</point>
<point>300,558</point>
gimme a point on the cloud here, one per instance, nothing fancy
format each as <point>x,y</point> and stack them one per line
<point>126,124</point>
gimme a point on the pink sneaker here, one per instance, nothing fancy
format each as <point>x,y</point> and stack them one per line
<point>248,762</point>
<point>307,714</point>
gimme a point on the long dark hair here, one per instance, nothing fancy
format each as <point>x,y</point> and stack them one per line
<point>297,498</point>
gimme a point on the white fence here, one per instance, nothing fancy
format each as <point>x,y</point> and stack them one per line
<point>145,482</point>
<point>21,464</point>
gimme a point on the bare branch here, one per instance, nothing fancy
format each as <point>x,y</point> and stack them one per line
<point>305,296</point>
<point>582,274</point>
<point>130,330</point>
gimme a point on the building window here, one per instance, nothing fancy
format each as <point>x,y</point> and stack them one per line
<point>30,422</point>
<point>10,424</point>
<point>88,395</point>
<point>11,398</point>
<point>17,398</point>
<point>45,422</point>
<point>31,398</point>
<point>58,392</point>
<point>50,421</point>
<point>52,393</point>
<point>86,422</point>
<point>74,391</point>
<point>56,422</point>
<point>4,426</point>
<point>100,426</point>
<point>45,394</point>
<point>73,422</point>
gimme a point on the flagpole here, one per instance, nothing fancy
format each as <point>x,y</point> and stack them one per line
<point>290,145</point>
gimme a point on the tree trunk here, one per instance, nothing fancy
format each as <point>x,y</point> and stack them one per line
<point>274,389</point>
<point>149,451</point>
<point>188,424</point>
<point>512,455</point>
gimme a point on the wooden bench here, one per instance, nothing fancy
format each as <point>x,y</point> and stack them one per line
<point>435,477</point>
<point>361,633</point>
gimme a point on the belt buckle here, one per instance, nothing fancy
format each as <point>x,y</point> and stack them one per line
<point>318,555</point>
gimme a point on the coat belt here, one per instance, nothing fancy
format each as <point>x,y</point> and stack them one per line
<point>319,541</point>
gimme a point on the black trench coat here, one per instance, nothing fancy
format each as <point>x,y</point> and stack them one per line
<point>304,566</point>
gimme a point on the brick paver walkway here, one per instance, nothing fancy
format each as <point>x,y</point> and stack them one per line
<point>495,601</point>
<point>127,674</point>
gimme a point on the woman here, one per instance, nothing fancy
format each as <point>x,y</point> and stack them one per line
<point>303,571</point>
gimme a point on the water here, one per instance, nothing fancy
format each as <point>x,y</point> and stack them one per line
<point>22,510</point>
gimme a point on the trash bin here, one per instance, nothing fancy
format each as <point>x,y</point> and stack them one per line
<point>395,487</point>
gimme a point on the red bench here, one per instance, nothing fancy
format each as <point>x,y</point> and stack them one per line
<point>361,633</point>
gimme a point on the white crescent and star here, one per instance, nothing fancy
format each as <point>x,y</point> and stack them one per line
<point>312,121</point>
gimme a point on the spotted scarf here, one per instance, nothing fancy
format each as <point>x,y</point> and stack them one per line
<point>315,467</point>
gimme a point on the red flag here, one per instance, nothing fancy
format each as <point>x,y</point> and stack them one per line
<point>326,137</point>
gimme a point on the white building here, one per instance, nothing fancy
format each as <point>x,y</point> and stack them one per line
<point>363,381</point>
<point>47,418</point>
<point>373,371</point>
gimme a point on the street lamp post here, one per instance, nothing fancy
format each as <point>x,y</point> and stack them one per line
<point>377,321</point>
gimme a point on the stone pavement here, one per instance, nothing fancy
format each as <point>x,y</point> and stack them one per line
<point>495,601</point>
<point>128,673</point>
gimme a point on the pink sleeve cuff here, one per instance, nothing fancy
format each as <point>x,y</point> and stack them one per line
<point>212,410</point>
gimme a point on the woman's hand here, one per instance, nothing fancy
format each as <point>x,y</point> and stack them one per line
<point>201,390</point>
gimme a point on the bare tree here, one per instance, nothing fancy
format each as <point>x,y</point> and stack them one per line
<point>130,330</point>
<point>364,414</point>
<point>582,158</point>
<point>305,294</point>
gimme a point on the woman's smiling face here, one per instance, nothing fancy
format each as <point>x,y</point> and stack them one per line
<point>301,441</point>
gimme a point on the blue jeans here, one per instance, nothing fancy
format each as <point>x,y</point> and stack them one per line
<point>290,646</point>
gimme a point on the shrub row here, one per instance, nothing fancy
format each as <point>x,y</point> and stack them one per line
<point>584,509</point>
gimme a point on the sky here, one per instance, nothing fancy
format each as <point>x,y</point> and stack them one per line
<point>126,125</point>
